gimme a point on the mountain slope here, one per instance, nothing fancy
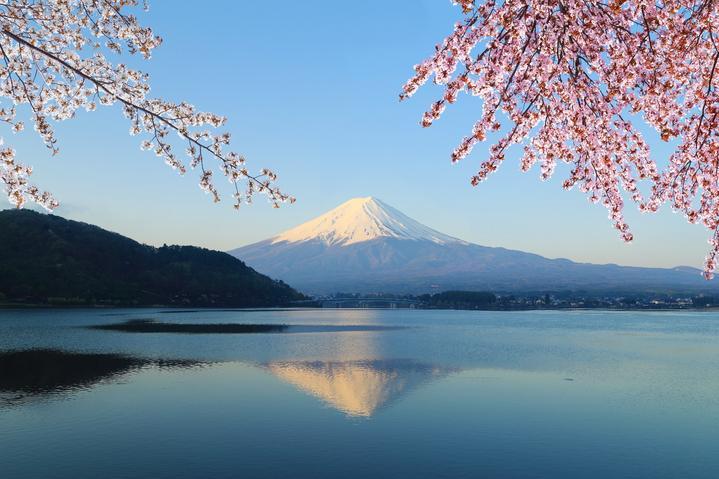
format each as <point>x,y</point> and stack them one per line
<point>365,245</point>
<point>45,258</point>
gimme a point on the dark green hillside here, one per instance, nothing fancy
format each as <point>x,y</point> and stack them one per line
<point>46,259</point>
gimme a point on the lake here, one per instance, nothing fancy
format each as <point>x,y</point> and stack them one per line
<point>361,393</point>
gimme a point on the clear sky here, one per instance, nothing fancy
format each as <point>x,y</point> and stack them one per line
<point>310,89</point>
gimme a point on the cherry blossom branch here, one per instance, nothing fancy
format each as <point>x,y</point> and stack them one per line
<point>40,51</point>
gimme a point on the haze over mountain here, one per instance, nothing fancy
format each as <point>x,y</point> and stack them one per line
<point>364,245</point>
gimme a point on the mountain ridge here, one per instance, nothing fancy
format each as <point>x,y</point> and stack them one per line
<point>329,254</point>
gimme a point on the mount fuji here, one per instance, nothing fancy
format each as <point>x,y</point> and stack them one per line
<point>365,245</point>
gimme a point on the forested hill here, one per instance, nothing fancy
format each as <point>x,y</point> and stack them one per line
<point>45,259</point>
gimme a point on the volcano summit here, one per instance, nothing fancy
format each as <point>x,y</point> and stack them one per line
<point>365,245</point>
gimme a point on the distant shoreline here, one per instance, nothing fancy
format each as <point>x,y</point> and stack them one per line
<point>191,309</point>
<point>6,306</point>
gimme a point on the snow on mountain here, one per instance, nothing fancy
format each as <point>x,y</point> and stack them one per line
<point>365,245</point>
<point>362,219</point>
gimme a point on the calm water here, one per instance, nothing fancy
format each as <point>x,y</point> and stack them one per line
<point>440,394</point>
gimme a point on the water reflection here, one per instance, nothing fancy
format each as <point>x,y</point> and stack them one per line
<point>644,395</point>
<point>41,373</point>
<point>357,388</point>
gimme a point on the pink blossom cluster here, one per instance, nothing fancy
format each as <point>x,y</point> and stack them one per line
<point>568,74</point>
<point>54,58</point>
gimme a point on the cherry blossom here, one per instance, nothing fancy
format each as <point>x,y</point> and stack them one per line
<point>55,59</point>
<point>573,77</point>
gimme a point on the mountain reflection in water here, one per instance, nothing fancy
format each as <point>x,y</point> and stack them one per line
<point>357,388</point>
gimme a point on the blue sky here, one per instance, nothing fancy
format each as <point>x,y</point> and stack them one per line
<point>310,89</point>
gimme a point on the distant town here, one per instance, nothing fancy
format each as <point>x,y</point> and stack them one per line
<point>480,300</point>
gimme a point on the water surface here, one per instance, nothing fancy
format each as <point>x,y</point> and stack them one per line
<point>364,393</point>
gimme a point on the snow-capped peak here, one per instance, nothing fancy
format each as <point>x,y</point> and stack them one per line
<point>362,219</point>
